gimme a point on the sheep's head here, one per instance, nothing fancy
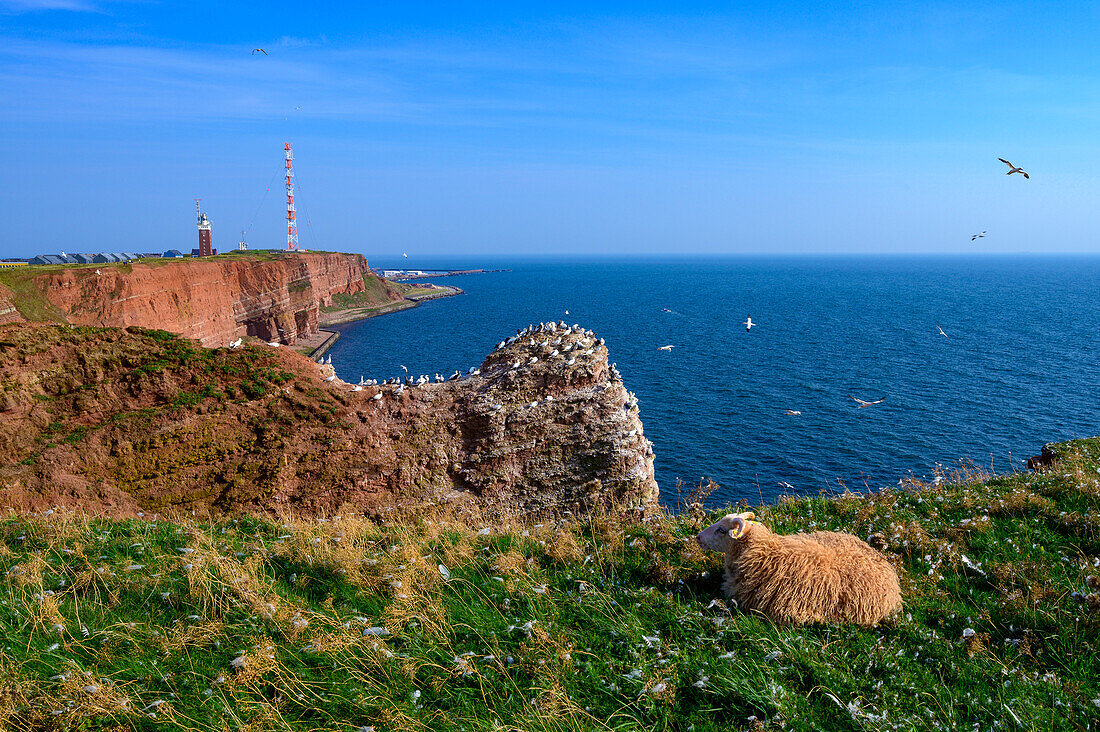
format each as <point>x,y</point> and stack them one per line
<point>718,535</point>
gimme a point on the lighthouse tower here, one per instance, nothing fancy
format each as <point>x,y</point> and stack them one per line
<point>206,246</point>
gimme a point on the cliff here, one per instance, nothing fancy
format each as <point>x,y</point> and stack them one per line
<point>275,296</point>
<point>128,420</point>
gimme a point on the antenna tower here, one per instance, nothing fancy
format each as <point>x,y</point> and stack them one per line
<point>291,224</point>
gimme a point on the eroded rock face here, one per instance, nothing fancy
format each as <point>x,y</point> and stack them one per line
<point>214,301</point>
<point>545,422</point>
<point>126,420</point>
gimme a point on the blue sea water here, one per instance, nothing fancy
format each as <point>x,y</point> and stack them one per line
<point>1020,366</point>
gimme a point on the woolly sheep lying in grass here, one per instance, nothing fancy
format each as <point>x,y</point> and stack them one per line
<point>824,576</point>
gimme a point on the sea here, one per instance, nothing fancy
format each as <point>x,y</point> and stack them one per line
<point>1018,366</point>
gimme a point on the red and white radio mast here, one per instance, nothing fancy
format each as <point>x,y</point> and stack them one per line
<point>291,224</point>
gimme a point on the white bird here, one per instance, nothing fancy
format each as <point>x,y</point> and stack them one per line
<point>330,378</point>
<point>1013,169</point>
<point>567,312</point>
<point>97,271</point>
<point>942,333</point>
<point>405,255</point>
<point>863,403</point>
<point>748,324</point>
<point>328,360</point>
<point>376,397</point>
<point>357,387</point>
<point>664,348</point>
<point>793,412</point>
<point>361,382</point>
<point>977,236</point>
<point>274,344</point>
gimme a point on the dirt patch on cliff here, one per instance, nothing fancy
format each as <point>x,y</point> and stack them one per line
<point>129,420</point>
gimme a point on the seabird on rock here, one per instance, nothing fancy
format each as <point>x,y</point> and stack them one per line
<point>376,397</point>
<point>1013,169</point>
<point>274,344</point>
<point>357,387</point>
<point>328,360</point>
<point>330,378</point>
<point>533,360</point>
<point>571,361</point>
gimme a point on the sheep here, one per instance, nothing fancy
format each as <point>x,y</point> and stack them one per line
<point>819,577</point>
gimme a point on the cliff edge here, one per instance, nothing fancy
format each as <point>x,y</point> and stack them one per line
<point>128,420</point>
<point>274,296</point>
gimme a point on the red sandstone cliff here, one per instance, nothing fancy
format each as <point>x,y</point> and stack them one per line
<point>127,420</point>
<point>275,296</point>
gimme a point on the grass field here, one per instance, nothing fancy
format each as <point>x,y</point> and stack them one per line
<point>442,622</point>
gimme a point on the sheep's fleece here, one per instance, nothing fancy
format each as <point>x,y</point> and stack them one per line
<point>824,576</point>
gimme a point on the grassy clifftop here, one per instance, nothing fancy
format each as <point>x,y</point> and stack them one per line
<point>605,622</point>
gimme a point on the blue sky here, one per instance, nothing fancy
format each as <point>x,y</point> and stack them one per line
<point>587,128</point>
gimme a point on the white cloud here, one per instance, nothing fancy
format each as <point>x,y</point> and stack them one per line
<point>30,6</point>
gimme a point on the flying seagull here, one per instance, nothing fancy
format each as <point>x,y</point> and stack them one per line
<point>942,333</point>
<point>977,236</point>
<point>664,348</point>
<point>254,50</point>
<point>794,412</point>
<point>1014,169</point>
<point>748,324</point>
<point>863,403</point>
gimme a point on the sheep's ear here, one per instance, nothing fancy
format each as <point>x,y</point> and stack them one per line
<point>737,527</point>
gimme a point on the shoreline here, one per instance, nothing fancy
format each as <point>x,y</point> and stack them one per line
<point>351,315</point>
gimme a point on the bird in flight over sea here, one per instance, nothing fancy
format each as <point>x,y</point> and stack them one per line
<point>748,323</point>
<point>863,403</point>
<point>664,348</point>
<point>942,333</point>
<point>794,412</point>
<point>977,236</point>
<point>405,255</point>
<point>1013,169</point>
<point>254,50</point>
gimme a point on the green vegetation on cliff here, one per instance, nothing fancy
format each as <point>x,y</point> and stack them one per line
<point>441,622</point>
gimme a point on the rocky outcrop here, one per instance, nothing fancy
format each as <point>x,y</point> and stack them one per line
<point>275,296</point>
<point>132,420</point>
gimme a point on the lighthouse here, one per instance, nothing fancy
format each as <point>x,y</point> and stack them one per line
<point>206,246</point>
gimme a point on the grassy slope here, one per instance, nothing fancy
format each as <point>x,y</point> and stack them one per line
<point>593,623</point>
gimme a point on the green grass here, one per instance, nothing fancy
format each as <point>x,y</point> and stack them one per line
<point>27,298</point>
<point>597,622</point>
